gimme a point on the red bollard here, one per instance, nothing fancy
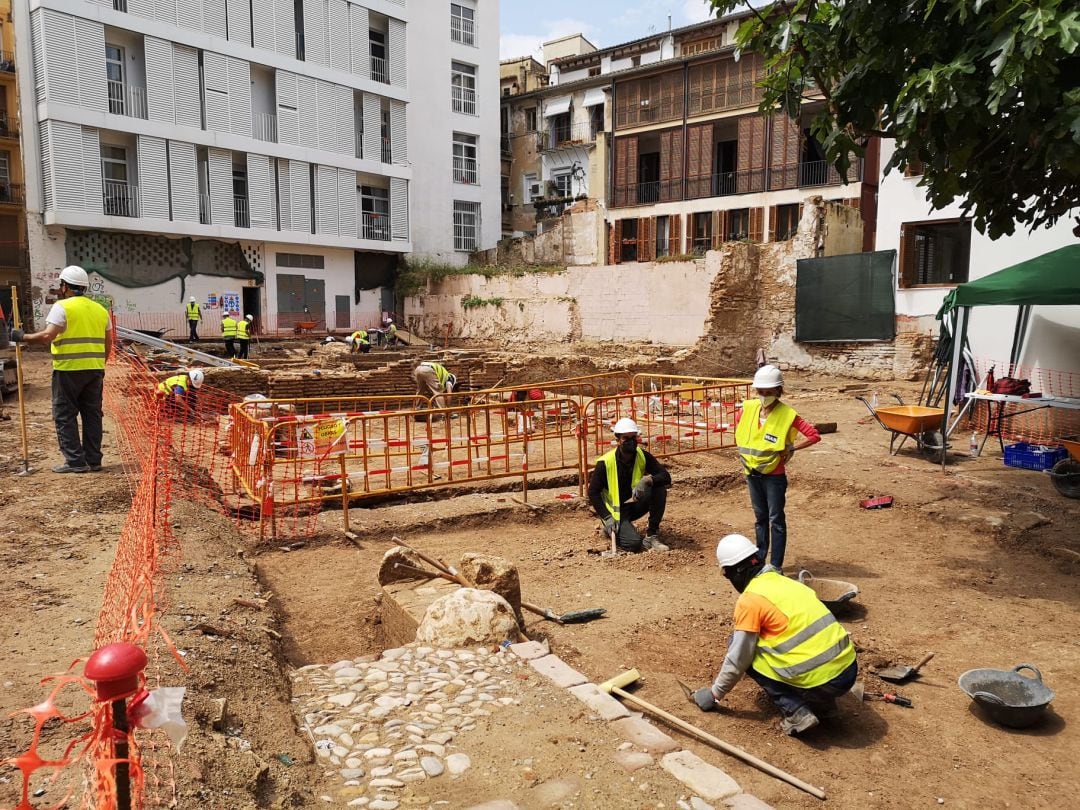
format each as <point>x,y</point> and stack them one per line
<point>115,670</point>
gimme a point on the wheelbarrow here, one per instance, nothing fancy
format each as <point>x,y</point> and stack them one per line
<point>304,327</point>
<point>1066,473</point>
<point>154,333</point>
<point>1008,697</point>
<point>918,422</point>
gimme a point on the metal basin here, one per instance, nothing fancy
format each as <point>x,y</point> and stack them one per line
<point>834,593</point>
<point>1008,697</point>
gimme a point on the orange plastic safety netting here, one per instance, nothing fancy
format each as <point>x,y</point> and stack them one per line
<point>1049,412</point>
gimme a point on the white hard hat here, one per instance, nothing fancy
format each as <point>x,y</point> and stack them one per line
<point>192,299</point>
<point>350,340</point>
<point>625,425</point>
<point>249,317</point>
<point>768,377</point>
<point>196,375</point>
<point>733,549</point>
<point>328,339</point>
<point>75,276</point>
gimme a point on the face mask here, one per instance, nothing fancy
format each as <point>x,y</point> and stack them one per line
<point>629,446</point>
<point>740,577</point>
<point>767,401</point>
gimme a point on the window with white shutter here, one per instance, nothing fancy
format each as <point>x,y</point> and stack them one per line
<point>263,14</point>
<point>188,100</point>
<point>165,11</point>
<point>284,198</point>
<point>315,32</point>
<point>239,14</point>
<point>358,39</point>
<point>338,35</point>
<point>153,178</point>
<point>300,195</point>
<point>219,162</point>
<point>159,79</point>
<point>215,18</point>
<point>90,55</point>
<point>260,191</point>
<point>326,200</point>
<point>372,127</point>
<point>346,191</point>
<point>399,141</point>
<point>216,91</point>
<point>287,113</point>
<point>239,97</point>
<point>183,182</point>
<point>288,42</point>
<point>399,209</point>
<point>91,171</point>
<point>307,98</point>
<point>189,14</point>
<point>398,63</point>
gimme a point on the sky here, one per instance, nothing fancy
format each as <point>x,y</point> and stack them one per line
<point>525,24</point>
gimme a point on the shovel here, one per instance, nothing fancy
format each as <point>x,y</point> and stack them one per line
<point>899,674</point>
<point>573,617</point>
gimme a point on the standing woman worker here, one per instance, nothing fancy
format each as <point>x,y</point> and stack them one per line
<point>765,434</point>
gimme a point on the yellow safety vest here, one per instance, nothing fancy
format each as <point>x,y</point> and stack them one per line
<point>360,335</point>
<point>612,497</point>
<point>762,445</point>
<point>193,312</point>
<point>441,374</point>
<point>167,386</point>
<point>814,648</point>
<point>81,346</point>
<point>242,329</point>
<point>228,327</point>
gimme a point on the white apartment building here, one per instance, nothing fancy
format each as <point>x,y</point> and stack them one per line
<point>273,156</point>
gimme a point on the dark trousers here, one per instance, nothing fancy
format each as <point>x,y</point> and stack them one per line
<point>230,347</point>
<point>78,394</point>
<point>653,506</point>
<point>820,699</point>
<point>193,330</point>
<point>768,495</point>
<point>242,348</point>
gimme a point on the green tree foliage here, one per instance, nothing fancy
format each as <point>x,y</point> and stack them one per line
<point>984,94</point>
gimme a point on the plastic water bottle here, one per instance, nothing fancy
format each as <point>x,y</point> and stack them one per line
<point>873,400</point>
<point>974,446</point>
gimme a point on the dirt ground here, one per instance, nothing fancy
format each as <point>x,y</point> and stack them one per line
<point>968,563</point>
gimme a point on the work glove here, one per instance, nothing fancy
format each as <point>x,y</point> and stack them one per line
<point>18,335</point>
<point>610,525</point>
<point>643,490</point>
<point>704,699</point>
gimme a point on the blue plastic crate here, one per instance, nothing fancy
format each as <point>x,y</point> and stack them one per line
<point>1033,456</point>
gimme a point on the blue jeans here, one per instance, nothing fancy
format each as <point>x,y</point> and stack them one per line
<point>768,494</point>
<point>819,699</point>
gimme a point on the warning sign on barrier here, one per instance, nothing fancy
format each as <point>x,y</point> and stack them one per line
<point>322,439</point>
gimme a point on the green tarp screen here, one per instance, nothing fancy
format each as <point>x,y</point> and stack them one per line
<point>839,298</point>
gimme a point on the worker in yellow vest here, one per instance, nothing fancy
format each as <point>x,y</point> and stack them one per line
<point>179,393</point>
<point>80,336</point>
<point>228,334</point>
<point>358,342</point>
<point>628,483</point>
<point>243,336</point>
<point>434,380</point>
<point>194,315</point>
<point>785,639</point>
<point>765,435</point>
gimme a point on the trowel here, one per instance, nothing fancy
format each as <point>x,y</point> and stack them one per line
<point>899,674</point>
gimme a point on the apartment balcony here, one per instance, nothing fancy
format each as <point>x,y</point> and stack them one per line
<point>14,255</point>
<point>264,127</point>
<point>379,72</point>
<point>374,226</point>
<point>565,136</point>
<point>241,215</point>
<point>7,62</point>
<point>465,170</point>
<point>824,173</point>
<point>121,199</point>
<point>463,100</point>
<point>12,194</point>
<point>723,184</point>
<point>204,209</point>
<point>385,153</point>
<point>127,99</point>
<point>9,126</point>
<point>463,31</point>
<point>300,45</point>
<point>653,191</point>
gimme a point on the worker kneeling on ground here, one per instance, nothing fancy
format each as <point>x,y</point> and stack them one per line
<point>179,392</point>
<point>434,380</point>
<point>785,639</point>
<point>358,342</point>
<point>626,484</point>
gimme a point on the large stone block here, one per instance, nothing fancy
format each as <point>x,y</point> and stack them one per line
<point>698,775</point>
<point>492,573</point>
<point>403,606</point>
<point>397,566</point>
<point>644,735</point>
<point>468,617</point>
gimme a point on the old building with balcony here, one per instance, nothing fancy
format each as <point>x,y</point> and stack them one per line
<point>267,130</point>
<point>14,265</point>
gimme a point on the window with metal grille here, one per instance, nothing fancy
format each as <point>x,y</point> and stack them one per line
<point>935,253</point>
<point>663,236</point>
<point>787,221</point>
<point>464,158</point>
<point>374,213</point>
<point>702,232</point>
<point>463,88</point>
<point>462,24</point>
<point>628,247</point>
<point>738,225</point>
<point>308,261</point>
<point>466,225</point>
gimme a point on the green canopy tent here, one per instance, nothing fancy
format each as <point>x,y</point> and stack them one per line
<point>1051,279</point>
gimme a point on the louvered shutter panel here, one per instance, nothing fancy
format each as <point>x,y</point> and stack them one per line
<point>300,195</point>
<point>359,29</point>
<point>326,201</point>
<point>719,228</point>
<point>785,141</point>
<point>159,79</point>
<point>307,107</point>
<point>262,24</point>
<point>58,80</point>
<point>141,8</point>
<point>189,14</point>
<point>315,32</point>
<point>676,234</point>
<point>260,196</point>
<point>323,125</point>
<point>399,150</point>
<point>45,144</point>
<point>694,186</point>
<point>287,114</point>
<point>772,223</point>
<point>616,243</point>
<point>90,54</point>
<point>906,271</point>
<point>397,58</point>
<point>239,97</point>
<point>165,11</point>
<point>646,239</point>
<point>399,210</point>
<point>37,46</point>
<point>216,91</point>
<point>186,86</point>
<point>153,178</point>
<point>285,27</point>
<point>284,198</point>
<point>346,191</point>
<point>91,170</point>
<point>183,182</point>
<point>221,187</point>
<point>338,28</point>
<point>346,120</point>
<point>65,171</point>
<point>756,229</point>
<point>675,184</point>
<point>751,154</point>
<point>372,127</point>
<point>239,12</point>
<point>665,156</point>
<point>214,18</point>
<point>705,158</point>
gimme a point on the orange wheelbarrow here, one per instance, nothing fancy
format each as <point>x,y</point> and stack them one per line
<point>918,422</point>
<point>304,327</point>
<point>1066,473</point>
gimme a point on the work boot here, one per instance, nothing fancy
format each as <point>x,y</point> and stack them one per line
<point>799,721</point>
<point>652,542</point>
<point>67,468</point>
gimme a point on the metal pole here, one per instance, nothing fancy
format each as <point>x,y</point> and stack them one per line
<point>959,333</point>
<point>17,321</point>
